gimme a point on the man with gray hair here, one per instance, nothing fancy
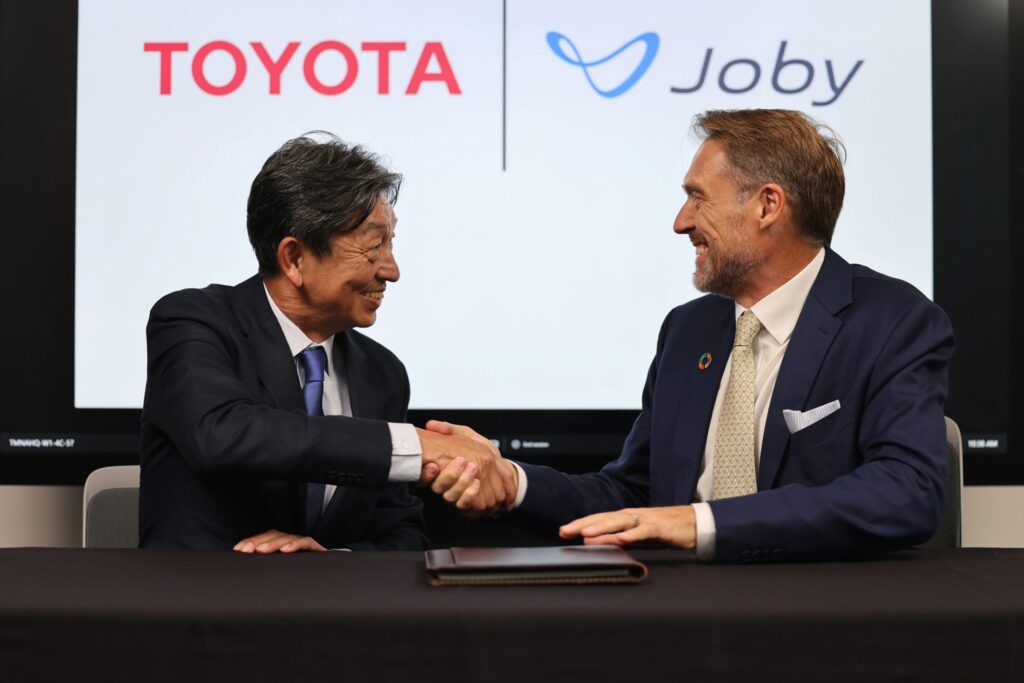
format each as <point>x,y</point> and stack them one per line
<point>794,413</point>
<point>269,423</point>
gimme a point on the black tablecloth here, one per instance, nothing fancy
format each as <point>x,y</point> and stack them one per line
<point>191,616</point>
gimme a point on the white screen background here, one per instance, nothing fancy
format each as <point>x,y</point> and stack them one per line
<point>539,286</point>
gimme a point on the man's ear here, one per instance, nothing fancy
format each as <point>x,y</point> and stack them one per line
<point>772,200</point>
<point>290,255</point>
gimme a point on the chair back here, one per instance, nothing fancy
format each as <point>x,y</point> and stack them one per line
<point>110,508</point>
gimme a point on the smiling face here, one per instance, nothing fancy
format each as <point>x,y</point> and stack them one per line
<point>721,223</point>
<point>345,288</point>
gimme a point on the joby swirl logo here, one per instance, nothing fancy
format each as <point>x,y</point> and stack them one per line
<point>559,42</point>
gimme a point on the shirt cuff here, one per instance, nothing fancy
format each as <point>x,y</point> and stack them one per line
<point>704,520</point>
<point>520,486</point>
<point>406,453</point>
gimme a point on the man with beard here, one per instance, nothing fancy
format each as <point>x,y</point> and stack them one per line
<point>795,413</point>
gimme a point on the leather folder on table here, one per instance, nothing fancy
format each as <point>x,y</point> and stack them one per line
<point>507,566</point>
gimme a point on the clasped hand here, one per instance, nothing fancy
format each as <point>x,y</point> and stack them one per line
<point>466,469</point>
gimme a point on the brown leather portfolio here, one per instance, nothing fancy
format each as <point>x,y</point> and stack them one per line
<point>507,566</point>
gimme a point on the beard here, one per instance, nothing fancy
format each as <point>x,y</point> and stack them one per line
<point>725,270</point>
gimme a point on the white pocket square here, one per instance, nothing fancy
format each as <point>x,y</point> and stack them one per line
<point>796,420</point>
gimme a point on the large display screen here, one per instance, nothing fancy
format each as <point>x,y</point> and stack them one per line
<point>543,146</point>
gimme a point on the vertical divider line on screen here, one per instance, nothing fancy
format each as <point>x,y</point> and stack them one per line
<point>504,62</point>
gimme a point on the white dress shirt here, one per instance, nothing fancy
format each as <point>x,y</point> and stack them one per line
<point>406,453</point>
<point>778,313</point>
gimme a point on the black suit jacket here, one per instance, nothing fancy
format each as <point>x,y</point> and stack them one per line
<point>227,447</point>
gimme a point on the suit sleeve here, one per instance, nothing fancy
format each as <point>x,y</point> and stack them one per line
<point>554,498</point>
<point>196,396</point>
<point>894,498</point>
<point>397,519</point>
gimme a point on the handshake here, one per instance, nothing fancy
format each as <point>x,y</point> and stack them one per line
<point>466,470</point>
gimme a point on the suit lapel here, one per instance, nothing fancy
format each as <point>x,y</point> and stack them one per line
<point>275,365</point>
<point>815,330</point>
<point>349,355</point>
<point>698,389</point>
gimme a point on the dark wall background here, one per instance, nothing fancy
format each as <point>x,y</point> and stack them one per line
<point>978,77</point>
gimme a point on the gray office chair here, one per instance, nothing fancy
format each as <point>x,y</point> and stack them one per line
<point>948,535</point>
<point>110,508</point>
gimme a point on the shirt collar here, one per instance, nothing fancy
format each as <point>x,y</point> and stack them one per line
<point>779,311</point>
<point>296,338</point>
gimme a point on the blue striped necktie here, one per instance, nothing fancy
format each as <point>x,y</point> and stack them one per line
<point>314,362</point>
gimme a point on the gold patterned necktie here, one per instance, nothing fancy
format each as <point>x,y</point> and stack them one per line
<point>735,471</point>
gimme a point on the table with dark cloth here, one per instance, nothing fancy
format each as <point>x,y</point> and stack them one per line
<point>128,615</point>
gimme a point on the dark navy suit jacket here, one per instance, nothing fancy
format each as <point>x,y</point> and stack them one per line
<point>227,446</point>
<point>867,478</point>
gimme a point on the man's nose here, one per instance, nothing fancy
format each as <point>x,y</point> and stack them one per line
<point>684,222</point>
<point>389,267</point>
